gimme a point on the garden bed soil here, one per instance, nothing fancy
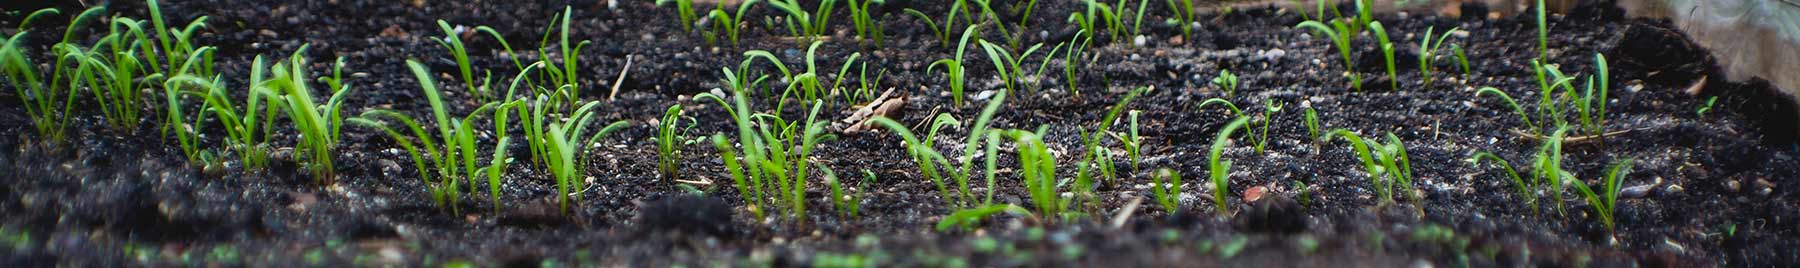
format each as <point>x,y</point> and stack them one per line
<point>1720,184</point>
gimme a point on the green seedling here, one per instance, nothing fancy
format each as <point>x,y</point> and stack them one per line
<point>670,138</point>
<point>847,204</point>
<point>1096,14</point>
<point>452,41</point>
<point>1508,99</point>
<point>450,165</point>
<point>320,126</point>
<point>1226,82</point>
<point>1183,11</point>
<point>177,45</point>
<point>1220,170</point>
<point>1590,104</point>
<point>1524,188</point>
<point>247,134</point>
<point>1258,138</point>
<point>1606,201</point>
<point>729,22</point>
<point>684,9</point>
<point>1462,59</point>
<point>806,25</point>
<point>865,22</point>
<point>809,85</point>
<point>1072,57</point>
<point>1165,187</point>
<point>47,104</point>
<point>1708,107</point>
<point>117,73</point>
<point>1131,140</point>
<point>1543,32</point>
<point>943,31</point>
<point>1006,65</point>
<point>953,67</point>
<point>1097,161</point>
<point>774,153</point>
<point>561,81</point>
<point>1340,35</point>
<point>1038,172</point>
<point>934,164</point>
<point>1428,49</point>
<point>1386,163</point>
<point>1387,53</point>
<point>1312,123</point>
<point>966,219</point>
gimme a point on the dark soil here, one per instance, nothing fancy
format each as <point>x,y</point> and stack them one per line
<point>1720,184</point>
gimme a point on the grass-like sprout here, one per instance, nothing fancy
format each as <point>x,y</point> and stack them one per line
<point>1097,161</point>
<point>967,218</point>
<point>1524,188</point>
<point>1165,187</point>
<point>247,134</point>
<point>561,80</point>
<point>934,164</point>
<point>177,46</point>
<point>1386,163</point>
<point>1072,58</point>
<point>319,125</point>
<point>1520,110</point>
<point>943,31</point>
<point>803,24</point>
<point>867,25</point>
<point>452,41</point>
<point>1387,53</point>
<point>1038,170</point>
<point>1590,105</point>
<point>1462,59</point>
<point>1543,32</point>
<point>1547,166</point>
<point>670,138</point>
<point>953,67</point>
<point>774,151</point>
<point>186,130</point>
<point>1312,123</point>
<point>1097,14</point>
<point>1006,65</point>
<point>866,88</point>
<point>809,85</point>
<point>684,9</point>
<point>1220,170</point>
<point>1708,107</point>
<point>1258,137</point>
<point>1226,81</point>
<point>727,21</point>
<point>117,73</point>
<point>1340,35</point>
<point>1428,50</point>
<point>47,103</point>
<point>1132,141</point>
<point>452,164</point>
<point>1183,11</point>
<point>847,204</point>
<point>1605,202</point>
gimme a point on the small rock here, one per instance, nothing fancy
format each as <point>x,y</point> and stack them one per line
<point>1140,40</point>
<point>268,33</point>
<point>1733,185</point>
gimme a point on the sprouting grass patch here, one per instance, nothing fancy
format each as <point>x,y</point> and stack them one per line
<point>1340,34</point>
<point>1428,50</point>
<point>1219,170</point>
<point>953,67</point>
<point>1387,53</point>
<point>1386,163</point>
<point>728,22</point>
<point>319,126</point>
<point>774,154</point>
<point>1165,187</point>
<point>934,165</point>
<point>670,138</point>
